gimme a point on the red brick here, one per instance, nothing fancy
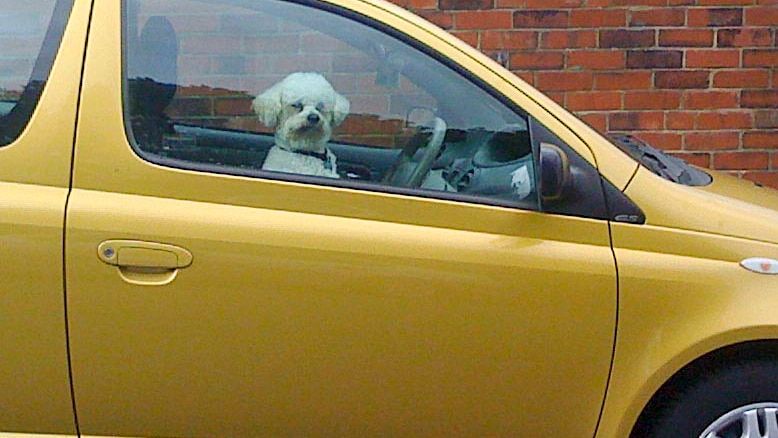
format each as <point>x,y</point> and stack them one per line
<point>537,61</point>
<point>694,158</point>
<point>444,20</point>
<point>701,141</point>
<point>636,121</point>
<point>744,37</point>
<point>594,101</point>
<point>517,4</point>
<point>762,16</point>
<point>470,37</point>
<point>637,100</point>
<point>564,81</point>
<point>766,119</point>
<point>622,38</point>
<point>766,179</point>
<point>760,58</point>
<point>682,79</point>
<point>508,40</point>
<point>483,20</point>
<point>466,4</point>
<point>725,120</point>
<point>598,121</point>
<point>715,17</point>
<point>633,3</point>
<point>206,91</point>
<point>541,19</point>
<point>558,97</point>
<point>526,76</point>
<point>759,99</point>
<point>680,120</point>
<point>742,79</point>
<point>596,59</point>
<point>190,107</point>
<point>658,17</point>
<point>630,80</point>
<point>666,141</point>
<point>568,39</point>
<point>741,160</point>
<point>713,58</point>
<point>685,38</point>
<point>725,2</point>
<point>761,139</point>
<point>416,4</point>
<point>710,99</point>
<point>598,18</point>
<point>654,59</point>
<point>232,107</point>
<point>554,4</point>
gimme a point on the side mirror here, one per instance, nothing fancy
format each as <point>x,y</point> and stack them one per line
<point>555,176</point>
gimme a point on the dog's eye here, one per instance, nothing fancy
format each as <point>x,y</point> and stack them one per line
<point>320,107</point>
<point>297,106</point>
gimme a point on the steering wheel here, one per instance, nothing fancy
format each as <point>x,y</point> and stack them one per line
<point>394,176</point>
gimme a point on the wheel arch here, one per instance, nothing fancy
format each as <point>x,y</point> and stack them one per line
<point>709,363</point>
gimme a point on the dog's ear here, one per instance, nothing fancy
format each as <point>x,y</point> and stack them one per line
<point>341,109</point>
<point>267,106</point>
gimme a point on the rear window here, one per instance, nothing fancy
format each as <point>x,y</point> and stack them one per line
<point>30,33</point>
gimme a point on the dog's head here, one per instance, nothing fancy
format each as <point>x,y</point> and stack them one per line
<point>305,108</point>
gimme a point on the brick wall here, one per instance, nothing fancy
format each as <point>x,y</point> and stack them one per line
<point>698,78</point>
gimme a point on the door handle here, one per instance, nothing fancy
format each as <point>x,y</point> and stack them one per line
<point>140,254</point>
<point>144,263</point>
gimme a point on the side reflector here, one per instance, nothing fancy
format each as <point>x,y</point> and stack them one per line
<point>761,265</point>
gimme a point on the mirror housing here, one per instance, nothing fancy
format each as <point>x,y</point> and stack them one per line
<point>555,175</point>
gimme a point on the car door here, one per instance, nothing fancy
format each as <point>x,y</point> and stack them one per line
<point>41,52</point>
<point>209,296</point>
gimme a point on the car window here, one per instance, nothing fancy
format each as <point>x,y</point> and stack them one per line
<point>276,89</point>
<point>30,33</point>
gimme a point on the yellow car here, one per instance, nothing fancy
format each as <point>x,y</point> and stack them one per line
<point>276,218</point>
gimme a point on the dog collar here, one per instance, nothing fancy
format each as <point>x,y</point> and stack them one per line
<point>325,157</point>
<point>320,155</point>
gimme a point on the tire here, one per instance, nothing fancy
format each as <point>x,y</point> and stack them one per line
<point>721,405</point>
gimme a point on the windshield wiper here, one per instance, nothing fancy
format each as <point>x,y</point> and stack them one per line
<point>668,167</point>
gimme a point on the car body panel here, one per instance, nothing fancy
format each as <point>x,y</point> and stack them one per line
<point>727,207</point>
<point>35,175</point>
<point>682,295</point>
<point>309,308</point>
<point>291,322</point>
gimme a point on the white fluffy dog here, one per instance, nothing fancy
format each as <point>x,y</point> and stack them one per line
<point>305,108</point>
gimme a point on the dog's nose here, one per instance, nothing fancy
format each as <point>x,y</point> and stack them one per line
<point>313,118</point>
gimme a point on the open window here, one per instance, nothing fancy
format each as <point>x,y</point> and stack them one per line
<point>212,86</point>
